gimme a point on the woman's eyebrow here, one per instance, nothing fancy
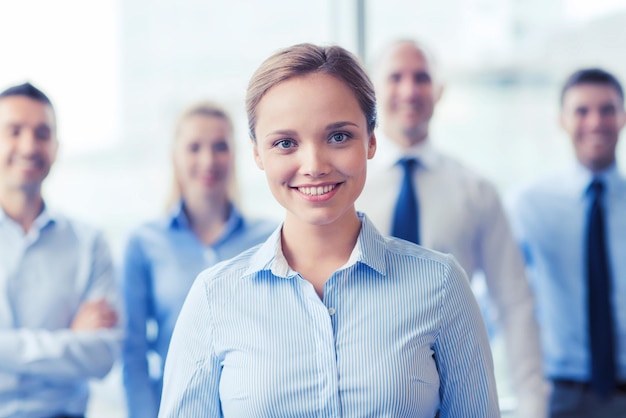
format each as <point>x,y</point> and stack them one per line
<point>286,132</point>
<point>338,125</point>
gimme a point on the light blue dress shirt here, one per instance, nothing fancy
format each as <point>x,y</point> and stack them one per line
<point>397,334</point>
<point>161,261</point>
<point>45,275</point>
<point>550,219</point>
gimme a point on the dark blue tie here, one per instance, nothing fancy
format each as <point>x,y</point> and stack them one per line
<point>406,215</point>
<point>599,298</point>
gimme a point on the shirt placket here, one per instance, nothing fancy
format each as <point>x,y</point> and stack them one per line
<point>326,356</point>
<point>331,407</point>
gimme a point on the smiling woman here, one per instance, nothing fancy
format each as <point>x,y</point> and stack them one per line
<point>327,317</point>
<point>314,155</point>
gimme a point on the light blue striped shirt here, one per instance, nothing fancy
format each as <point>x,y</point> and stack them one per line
<point>161,260</point>
<point>45,276</point>
<point>397,334</point>
<point>550,219</point>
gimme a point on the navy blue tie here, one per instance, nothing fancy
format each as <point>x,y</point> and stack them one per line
<point>406,215</point>
<point>601,336</point>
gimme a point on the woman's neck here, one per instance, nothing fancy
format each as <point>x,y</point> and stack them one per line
<point>317,251</point>
<point>207,217</point>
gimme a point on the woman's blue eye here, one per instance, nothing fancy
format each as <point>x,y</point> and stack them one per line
<point>284,143</point>
<point>338,137</point>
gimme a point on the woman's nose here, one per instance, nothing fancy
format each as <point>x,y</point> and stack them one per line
<point>315,161</point>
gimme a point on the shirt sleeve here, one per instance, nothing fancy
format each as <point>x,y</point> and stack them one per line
<point>509,289</point>
<point>192,370</point>
<point>141,397</point>
<point>64,354</point>
<point>462,353</point>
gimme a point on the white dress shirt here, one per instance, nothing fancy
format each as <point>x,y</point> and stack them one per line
<point>461,213</point>
<point>161,260</point>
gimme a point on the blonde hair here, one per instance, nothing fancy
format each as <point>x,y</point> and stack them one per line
<point>206,109</point>
<point>302,59</point>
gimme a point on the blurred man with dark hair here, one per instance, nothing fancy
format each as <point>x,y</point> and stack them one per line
<point>58,315</point>
<point>415,192</point>
<point>572,227</point>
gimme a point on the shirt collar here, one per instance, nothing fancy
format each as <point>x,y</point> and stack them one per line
<point>582,177</point>
<point>370,246</point>
<point>45,217</point>
<point>369,250</point>
<point>177,217</point>
<point>178,220</point>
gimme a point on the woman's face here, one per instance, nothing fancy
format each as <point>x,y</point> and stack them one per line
<point>312,142</point>
<point>203,156</point>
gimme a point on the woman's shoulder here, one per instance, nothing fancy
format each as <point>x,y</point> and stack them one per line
<point>230,269</point>
<point>146,231</point>
<point>409,261</point>
<point>409,252</point>
<point>149,236</point>
<point>397,253</point>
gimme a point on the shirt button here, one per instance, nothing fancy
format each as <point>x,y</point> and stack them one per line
<point>331,311</point>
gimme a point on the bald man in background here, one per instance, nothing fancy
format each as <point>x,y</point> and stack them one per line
<point>455,210</point>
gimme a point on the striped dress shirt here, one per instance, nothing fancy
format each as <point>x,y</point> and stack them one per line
<point>397,334</point>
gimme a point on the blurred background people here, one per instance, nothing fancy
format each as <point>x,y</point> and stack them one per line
<point>163,257</point>
<point>327,317</point>
<point>572,227</point>
<point>59,304</point>
<point>451,208</point>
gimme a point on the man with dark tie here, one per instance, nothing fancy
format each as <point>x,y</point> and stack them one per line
<point>572,227</point>
<point>417,193</point>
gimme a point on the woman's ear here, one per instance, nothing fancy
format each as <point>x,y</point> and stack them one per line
<point>257,157</point>
<point>371,147</point>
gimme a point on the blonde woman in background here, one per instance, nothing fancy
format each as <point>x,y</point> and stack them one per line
<point>163,257</point>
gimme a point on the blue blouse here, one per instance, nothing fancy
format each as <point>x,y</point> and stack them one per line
<point>161,261</point>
